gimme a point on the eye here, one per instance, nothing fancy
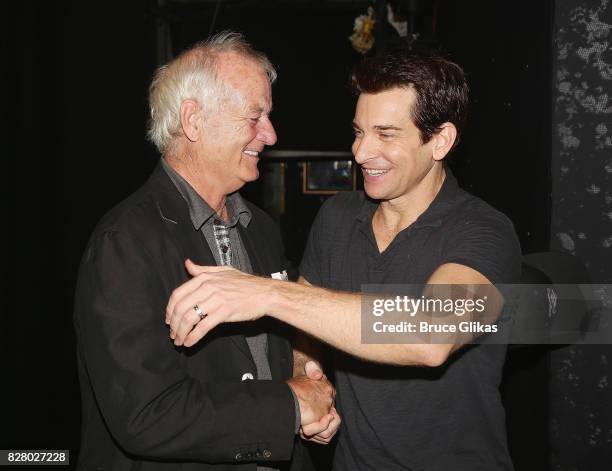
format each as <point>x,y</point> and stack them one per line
<point>384,135</point>
<point>357,133</point>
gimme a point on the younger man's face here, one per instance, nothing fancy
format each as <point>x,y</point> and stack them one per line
<point>388,145</point>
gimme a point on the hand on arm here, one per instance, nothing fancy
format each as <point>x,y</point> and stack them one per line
<point>153,406</point>
<point>223,293</point>
<point>228,295</point>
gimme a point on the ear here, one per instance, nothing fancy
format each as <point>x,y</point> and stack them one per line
<point>190,120</point>
<point>443,140</point>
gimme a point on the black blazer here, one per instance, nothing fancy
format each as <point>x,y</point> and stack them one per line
<point>147,404</point>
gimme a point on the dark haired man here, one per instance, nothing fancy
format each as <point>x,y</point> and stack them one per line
<point>405,406</point>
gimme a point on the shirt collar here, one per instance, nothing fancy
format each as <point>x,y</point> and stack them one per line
<point>199,210</point>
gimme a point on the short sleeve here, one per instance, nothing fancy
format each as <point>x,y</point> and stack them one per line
<point>487,244</point>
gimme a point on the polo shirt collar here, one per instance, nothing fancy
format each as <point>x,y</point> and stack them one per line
<point>442,204</point>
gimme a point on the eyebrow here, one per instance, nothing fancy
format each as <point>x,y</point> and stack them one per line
<point>380,127</point>
<point>260,109</point>
<point>386,127</point>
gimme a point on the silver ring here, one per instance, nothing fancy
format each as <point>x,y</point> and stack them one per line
<point>199,312</point>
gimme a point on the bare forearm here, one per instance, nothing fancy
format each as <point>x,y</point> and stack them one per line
<point>335,318</point>
<point>228,295</point>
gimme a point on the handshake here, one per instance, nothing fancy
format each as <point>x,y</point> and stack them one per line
<point>315,395</point>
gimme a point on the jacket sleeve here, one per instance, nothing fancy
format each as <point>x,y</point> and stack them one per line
<point>150,404</point>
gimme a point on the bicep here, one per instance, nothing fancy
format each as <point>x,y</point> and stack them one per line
<point>455,273</point>
<point>463,286</point>
<point>466,283</point>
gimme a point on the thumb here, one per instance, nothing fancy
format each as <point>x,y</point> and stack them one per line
<point>192,268</point>
<point>195,270</point>
<point>313,370</point>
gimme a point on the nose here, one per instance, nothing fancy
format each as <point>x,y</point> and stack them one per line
<point>266,132</point>
<point>363,149</point>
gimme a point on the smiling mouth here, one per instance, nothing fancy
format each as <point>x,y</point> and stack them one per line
<point>375,172</point>
<point>252,153</point>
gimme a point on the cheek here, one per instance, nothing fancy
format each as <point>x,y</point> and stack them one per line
<point>247,137</point>
<point>395,154</point>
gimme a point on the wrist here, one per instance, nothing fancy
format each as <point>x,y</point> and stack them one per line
<point>275,299</point>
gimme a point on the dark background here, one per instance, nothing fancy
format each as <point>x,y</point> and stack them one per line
<point>76,84</point>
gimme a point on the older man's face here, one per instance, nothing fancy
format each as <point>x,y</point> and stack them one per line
<point>234,137</point>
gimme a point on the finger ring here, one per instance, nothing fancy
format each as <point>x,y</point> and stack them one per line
<point>199,312</point>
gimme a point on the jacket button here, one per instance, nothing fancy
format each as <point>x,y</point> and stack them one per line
<point>247,376</point>
<point>267,453</point>
<point>238,456</point>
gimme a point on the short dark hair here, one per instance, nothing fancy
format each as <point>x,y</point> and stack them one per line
<point>439,84</point>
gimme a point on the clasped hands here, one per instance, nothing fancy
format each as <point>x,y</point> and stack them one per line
<point>225,294</point>
<point>315,394</point>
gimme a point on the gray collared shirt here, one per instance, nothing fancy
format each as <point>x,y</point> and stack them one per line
<point>226,246</point>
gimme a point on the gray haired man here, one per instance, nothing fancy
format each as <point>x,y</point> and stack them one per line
<point>147,403</point>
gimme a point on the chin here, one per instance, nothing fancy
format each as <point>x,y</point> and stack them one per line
<point>375,193</point>
<point>250,176</point>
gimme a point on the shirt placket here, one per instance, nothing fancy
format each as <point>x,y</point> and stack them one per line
<point>222,239</point>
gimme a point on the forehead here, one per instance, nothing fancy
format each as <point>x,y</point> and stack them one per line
<point>247,77</point>
<point>388,107</point>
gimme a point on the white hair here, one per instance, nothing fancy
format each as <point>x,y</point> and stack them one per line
<point>193,76</point>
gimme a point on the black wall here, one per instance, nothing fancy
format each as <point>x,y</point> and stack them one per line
<point>77,90</point>
<point>505,49</point>
<point>581,410</point>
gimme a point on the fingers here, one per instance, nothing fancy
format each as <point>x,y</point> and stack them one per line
<point>200,275</point>
<point>179,295</point>
<point>323,436</point>
<point>183,316</point>
<point>181,327</point>
<point>186,333</point>
<point>201,329</point>
<point>334,425</point>
<point>314,428</point>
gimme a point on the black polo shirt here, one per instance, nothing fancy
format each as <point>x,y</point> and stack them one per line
<point>416,418</point>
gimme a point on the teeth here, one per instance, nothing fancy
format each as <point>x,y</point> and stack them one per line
<point>251,152</point>
<point>375,172</point>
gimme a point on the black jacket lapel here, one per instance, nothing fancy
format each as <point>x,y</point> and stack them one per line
<point>175,212</point>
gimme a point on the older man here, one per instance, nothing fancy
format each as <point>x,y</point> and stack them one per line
<point>411,406</point>
<point>148,404</point>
